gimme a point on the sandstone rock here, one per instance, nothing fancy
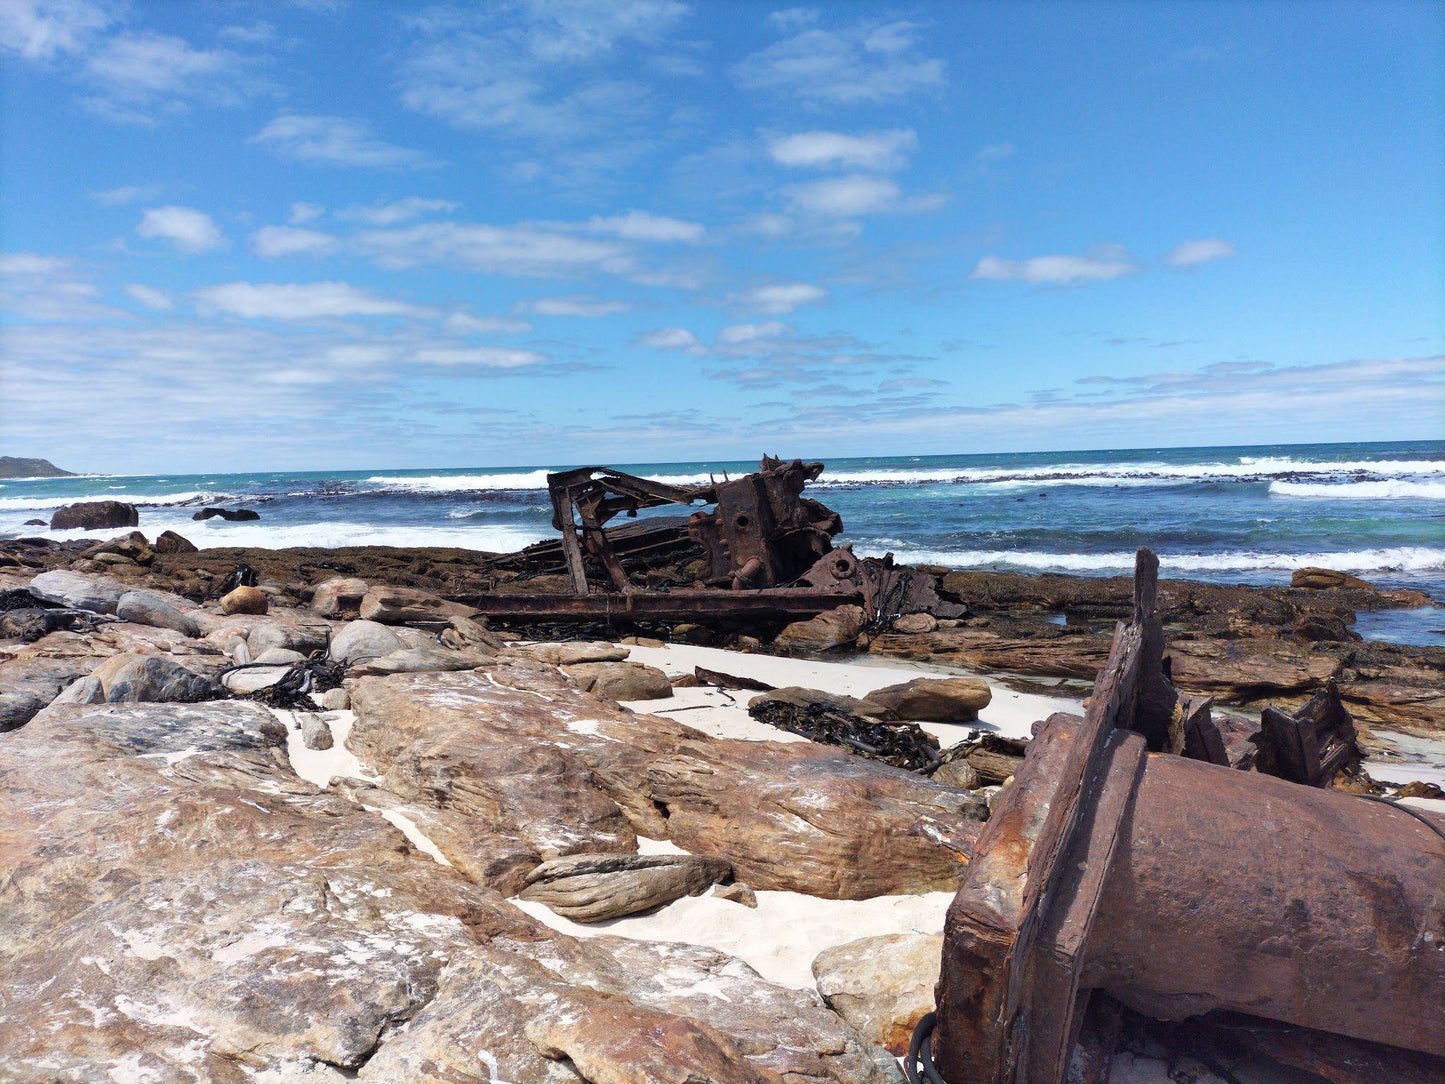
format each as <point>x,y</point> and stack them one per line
<point>32,623</point>
<point>1324,578</point>
<point>280,656</point>
<point>397,605</point>
<point>94,516</point>
<point>78,590</point>
<point>937,700</point>
<point>737,892</point>
<point>304,639</point>
<point>245,600</point>
<point>339,596</point>
<point>337,699</point>
<point>84,690</point>
<point>133,547</point>
<point>29,684</point>
<point>254,678</point>
<point>914,624</point>
<point>827,632</point>
<point>415,660</point>
<point>594,887</point>
<point>467,634</point>
<point>112,561</point>
<point>620,680</point>
<point>803,698</point>
<point>883,985</point>
<point>642,641</point>
<point>170,542</point>
<point>360,640</point>
<point>315,734</point>
<point>132,678</point>
<point>157,609</point>
<point>957,773</point>
<point>569,654</point>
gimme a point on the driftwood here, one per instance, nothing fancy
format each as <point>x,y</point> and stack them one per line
<point>720,680</point>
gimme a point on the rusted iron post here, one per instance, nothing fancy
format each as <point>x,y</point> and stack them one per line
<point>1181,886</point>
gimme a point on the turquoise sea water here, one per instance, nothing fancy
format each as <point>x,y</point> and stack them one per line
<point>1235,514</point>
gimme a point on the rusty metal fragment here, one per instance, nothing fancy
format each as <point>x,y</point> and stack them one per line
<point>1313,745</point>
<point>1180,887</point>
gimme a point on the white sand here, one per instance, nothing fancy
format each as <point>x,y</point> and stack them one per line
<point>724,714</point>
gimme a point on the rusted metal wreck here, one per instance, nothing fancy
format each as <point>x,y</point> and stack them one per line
<point>1180,887</point>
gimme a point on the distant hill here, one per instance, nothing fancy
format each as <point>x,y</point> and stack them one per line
<point>13,467</point>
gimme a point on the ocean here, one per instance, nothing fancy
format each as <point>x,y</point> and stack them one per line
<point>1240,514</point>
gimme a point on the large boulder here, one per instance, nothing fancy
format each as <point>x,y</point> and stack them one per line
<point>245,600</point>
<point>799,697</point>
<point>290,635</point>
<point>29,684</point>
<point>883,985</point>
<point>1317,579</point>
<point>170,542</point>
<point>132,548</point>
<point>78,590</point>
<point>129,678</point>
<point>398,605</point>
<point>827,632</point>
<point>620,680</point>
<point>594,887</point>
<point>415,660</point>
<point>360,640</point>
<point>937,700</point>
<point>94,516</point>
<point>339,596</point>
<point>233,515</point>
<point>158,610</point>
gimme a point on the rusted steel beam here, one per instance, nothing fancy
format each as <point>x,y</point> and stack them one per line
<point>695,605</point>
<point>1180,886</point>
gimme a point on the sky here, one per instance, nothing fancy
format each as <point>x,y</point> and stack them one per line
<point>332,234</point>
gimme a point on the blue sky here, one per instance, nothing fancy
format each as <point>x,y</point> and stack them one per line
<point>245,235</point>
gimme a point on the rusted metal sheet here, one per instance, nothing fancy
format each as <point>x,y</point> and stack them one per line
<point>1178,887</point>
<point>1310,746</point>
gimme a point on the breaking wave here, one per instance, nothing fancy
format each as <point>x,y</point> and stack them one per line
<point>1384,490</point>
<point>143,500</point>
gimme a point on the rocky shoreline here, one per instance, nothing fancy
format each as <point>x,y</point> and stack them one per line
<point>400,875</point>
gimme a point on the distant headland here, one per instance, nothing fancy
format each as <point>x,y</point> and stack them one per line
<point>15,467</point>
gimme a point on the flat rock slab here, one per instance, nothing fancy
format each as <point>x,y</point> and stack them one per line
<point>78,590</point>
<point>396,605</point>
<point>937,700</point>
<point>620,680</point>
<point>882,985</point>
<point>568,654</point>
<point>594,887</point>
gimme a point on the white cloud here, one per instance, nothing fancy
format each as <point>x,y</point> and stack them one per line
<point>673,338</point>
<point>302,213</point>
<point>150,297</point>
<point>1194,253</point>
<point>994,152</point>
<point>489,357</point>
<point>394,212</point>
<point>119,197</point>
<point>859,194</point>
<point>275,242</point>
<point>1102,263</point>
<point>186,228</point>
<point>138,75</point>
<point>867,62</point>
<point>644,226</point>
<point>875,150</point>
<point>301,301</point>
<point>49,289</point>
<point>336,141</point>
<point>31,263</point>
<point>577,306</point>
<point>779,299</point>
<point>787,19</point>
<point>465,323</point>
<point>44,29</point>
<point>734,334</point>
<point>507,250</point>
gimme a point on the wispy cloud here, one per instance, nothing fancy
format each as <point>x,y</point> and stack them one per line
<point>301,301</point>
<point>673,338</point>
<point>1102,263</point>
<point>276,242</point>
<point>119,197</point>
<point>150,297</point>
<point>874,150</point>
<point>576,305</point>
<point>392,212</point>
<point>645,226</point>
<point>186,229</point>
<point>336,141</point>
<point>866,62</point>
<point>511,250</point>
<point>780,298</point>
<point>1194,253</point>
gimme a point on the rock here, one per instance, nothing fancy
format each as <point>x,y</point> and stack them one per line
<point>36,523</point>
<point>688,633</point>
<point>620,680</point>
<point>467,634</point>
<point>360,640</point>
<point>914,624</point>
<point>234,515</point>
<point>957,773</point>
<point>936,700</point>
<point>32,623</point>
<point>315,734</point>
<point>594,887</point>
<point>170,542</point>
<point>398,605</point>
<point>132,547</point>
<point>1417,789</point>
<point>78,590</point>
<point>800,697</point>
<point>113,560</point>
<point>569,654</point>
<point>29,684</point>
<point>413,660</point>
<point>1324,627</point>
<point>280,656</point>
<point>132,678</point>
<point>244,600</point>
<point>827,632</point>
<point>337,699</point>
<point>85,690</point>
<point>1316,579</point>
<point>642,641</point>
<point>254,678</point>
<point>993,795</point>
<point>737,892</point>
<point>94,516</point>
<point>303,639</point>
<point>339,596</point>
<point>882,985</point>
<point>158,610</point>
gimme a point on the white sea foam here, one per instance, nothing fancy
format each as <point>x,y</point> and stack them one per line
<point>1385,490</point>
<point>146,500</point>
<point>1391,559</point>
<point>461,483</point>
